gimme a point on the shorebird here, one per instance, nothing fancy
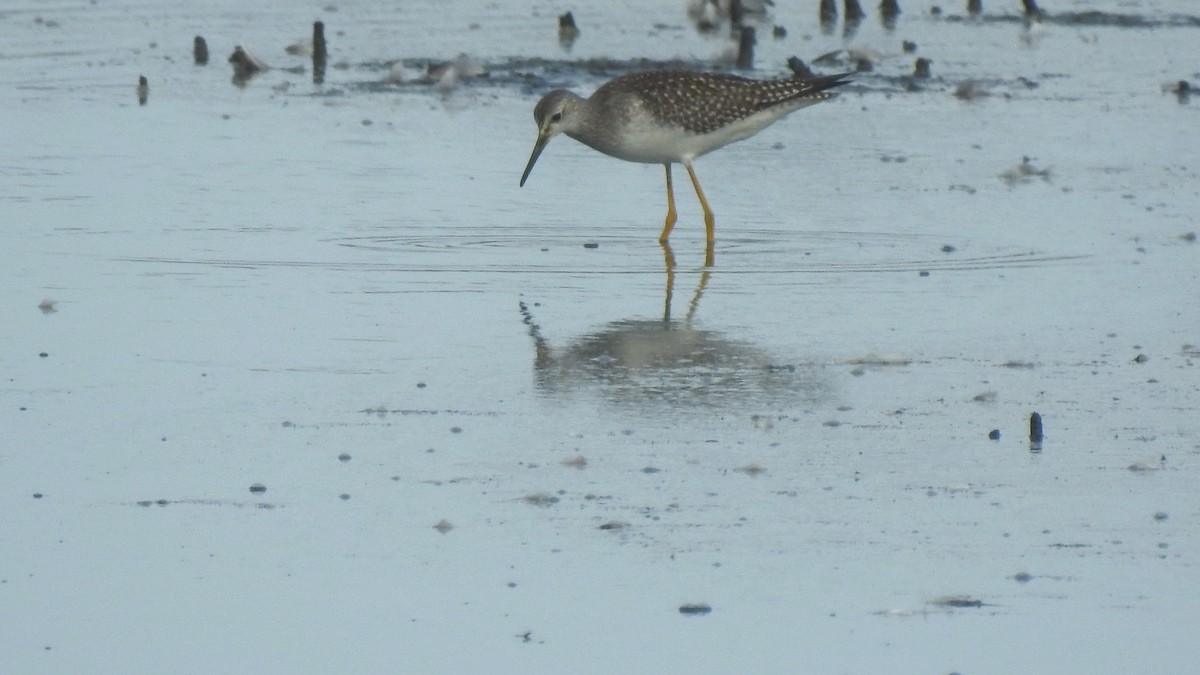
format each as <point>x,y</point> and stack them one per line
<point>669,117</point>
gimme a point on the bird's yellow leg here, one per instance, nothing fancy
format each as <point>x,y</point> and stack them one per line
<point>709,219</point>
<point>669,259</point>
<point>670,208</point>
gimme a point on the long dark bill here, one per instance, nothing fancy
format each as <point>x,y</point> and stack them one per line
<point>537,150</point>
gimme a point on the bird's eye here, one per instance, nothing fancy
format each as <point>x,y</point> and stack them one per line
<point>556,117</point>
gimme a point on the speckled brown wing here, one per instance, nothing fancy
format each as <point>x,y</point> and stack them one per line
<point>704,102</point>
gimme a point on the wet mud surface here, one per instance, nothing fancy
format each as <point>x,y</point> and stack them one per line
<point>294,367</point>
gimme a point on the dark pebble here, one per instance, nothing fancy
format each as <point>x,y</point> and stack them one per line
<point>694,610</point>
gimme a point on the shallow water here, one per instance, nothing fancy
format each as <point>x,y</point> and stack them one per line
<point>338,291</point>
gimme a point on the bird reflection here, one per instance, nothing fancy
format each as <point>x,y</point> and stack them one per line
<point>669,363</point>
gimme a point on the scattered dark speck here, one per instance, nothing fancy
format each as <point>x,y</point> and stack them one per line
<point>344,457</point>
<point>541,499</point>
<point>651,469</point>
<point>258,488</point>
<point>1161,515</point>
<point>960,601</point>
<point>1022,577</point>
<point>37,495</point>
<point>420,385</point>
<point>344,497</point>
<point>456,430</point>
<point>948,249</point>
<point>43,354</point>
<point>923,273</point>
<point>1141,358</point>
<point>994,435</point>
<point>287,425</point>
<point>591,244</point>
<point>694,610</point>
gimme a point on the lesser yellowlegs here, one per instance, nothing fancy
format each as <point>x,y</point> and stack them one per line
<point>667,117</point>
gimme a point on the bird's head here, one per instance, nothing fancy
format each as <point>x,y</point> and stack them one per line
<point>553,115</point>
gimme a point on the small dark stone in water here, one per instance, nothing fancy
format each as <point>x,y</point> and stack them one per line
<point>287,425</point>
<point>921,67</point>
<point>948,249</point>
<point>161,502</point>
<point>1141,358</point>
<point>568,32</point>
<point>367,123</point>
<point>908,46</point>
<point>923,273</point>
<point>799,68</point>
<point>779,32</point>
<point>258,488</point>
<point>994,435</point>
<point>591,244</point>
<point>37,495</point>
<point>421,385</point>
<point>1035,428</point>
<point>145,502</point>
<point>1022,577</point>
<point>43,354</point>
<point>244,64</point>
<point>143,90</point>
<point>828,11</point>
<point>320,48</point>
<point>344,457</point>
<point>854,12</point>
<point>344,497</point>
<point>1161,515</point>
<point>745,57</point>
<point>456,430</point>
<point>694,609</point>
<point>614,525</point>
<point>200,51</point>
<point>651,469</point>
